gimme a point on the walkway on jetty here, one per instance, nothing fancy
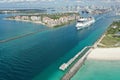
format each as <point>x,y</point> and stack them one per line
<point>81,61</point>
<point>77,65</point>
<point>17,37</point>
<point>64,66</point>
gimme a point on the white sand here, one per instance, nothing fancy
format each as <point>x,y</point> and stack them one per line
<point>105,54</point>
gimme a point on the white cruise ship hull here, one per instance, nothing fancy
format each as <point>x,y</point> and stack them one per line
<point>81,25</point>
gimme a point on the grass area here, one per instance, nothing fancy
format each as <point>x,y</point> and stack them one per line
<point>110,40</point>
<point>58,15</point>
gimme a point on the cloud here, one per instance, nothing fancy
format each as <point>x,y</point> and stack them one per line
<point>12,1</point>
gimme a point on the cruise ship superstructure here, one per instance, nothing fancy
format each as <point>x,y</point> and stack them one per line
<point>84,22</point>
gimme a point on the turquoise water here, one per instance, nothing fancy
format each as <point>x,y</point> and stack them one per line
<point>95,32</point>
<point>38,56</point>
<point>99,70</point>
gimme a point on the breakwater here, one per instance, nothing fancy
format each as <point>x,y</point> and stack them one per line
<point>21,36</point>
<point>77,65</point>
<point>64,66</point>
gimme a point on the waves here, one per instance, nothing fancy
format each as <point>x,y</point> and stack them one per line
<point>15,67</point>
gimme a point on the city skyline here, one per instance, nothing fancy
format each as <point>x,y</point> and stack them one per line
<point>6,4</point>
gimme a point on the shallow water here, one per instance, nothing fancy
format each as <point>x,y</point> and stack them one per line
<point>99,70</point>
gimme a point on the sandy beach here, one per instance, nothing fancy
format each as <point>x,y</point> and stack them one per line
<point>37,22</point>
<point>104,54</point>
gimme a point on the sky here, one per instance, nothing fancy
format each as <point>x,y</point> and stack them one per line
<point>52,3</point>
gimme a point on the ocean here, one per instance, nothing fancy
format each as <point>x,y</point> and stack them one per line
<point>38,56</point>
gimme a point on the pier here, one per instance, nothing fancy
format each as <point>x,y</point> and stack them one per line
<point>64,66</point>
<point>77,65</point>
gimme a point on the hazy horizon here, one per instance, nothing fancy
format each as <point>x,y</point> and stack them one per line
<point>19,4</point>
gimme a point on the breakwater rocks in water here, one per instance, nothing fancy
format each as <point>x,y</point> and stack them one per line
<point>76,66</point>
<point>21,36</point>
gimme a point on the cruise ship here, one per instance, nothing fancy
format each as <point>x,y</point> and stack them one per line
<point>84,22</point>
<point>117,13</point>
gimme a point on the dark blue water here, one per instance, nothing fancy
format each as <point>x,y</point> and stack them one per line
<point>40,55</point>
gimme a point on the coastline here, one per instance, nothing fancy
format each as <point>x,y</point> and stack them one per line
<point>78,64</point>
<point>98,53</point>
<point>94,53</point>
<point>105,53</point>
<point>62,42</point>
<point>95,45</point>
<point>109,54</point>
<point>37,22</point>
<point>74,69</point>
<point>49,20</point>
<point>112,53</point>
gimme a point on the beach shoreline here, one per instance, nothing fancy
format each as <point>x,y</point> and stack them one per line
<point>98,53</point>
<point>104,53</point>
<point>108,54</point>
<point>94,53</point>
<point>36,22</point>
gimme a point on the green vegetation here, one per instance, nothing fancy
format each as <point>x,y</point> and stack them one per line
<point>52,16</point>
<point>110,39</point>
<point>23,11</point>
<point>114,28</point>
<point>50,20</point>
<point>58,15</point>
<point>64,23</point>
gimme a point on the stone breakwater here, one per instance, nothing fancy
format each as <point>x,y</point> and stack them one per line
<point>20,36</point>
<point>76,66</point>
